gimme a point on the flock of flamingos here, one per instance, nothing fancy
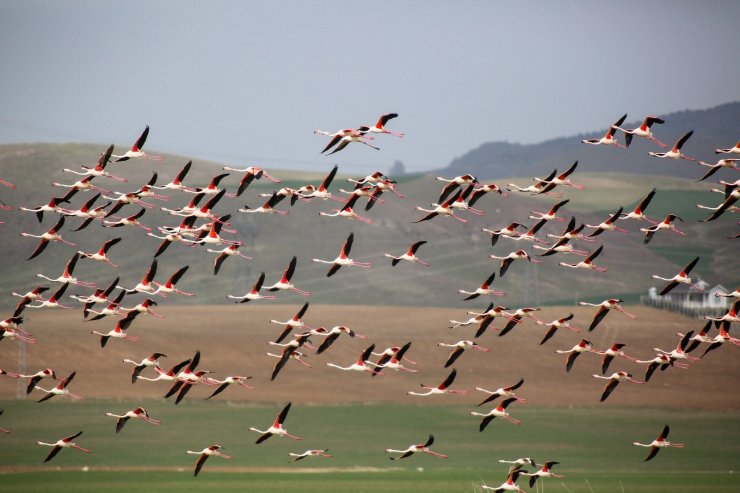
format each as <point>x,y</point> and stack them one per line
<point>201,226</point>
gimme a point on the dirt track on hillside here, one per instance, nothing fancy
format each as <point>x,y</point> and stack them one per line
<point>233,340</point>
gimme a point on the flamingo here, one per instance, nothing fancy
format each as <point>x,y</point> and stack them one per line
<point>722,163</point>
<point>561,323</point>
<point>488,316</point>
<point>604,307</point>
<point>571,232</point>
<point>176,183</point>
<point>544,472</point>
<point>410,255</point>
<point>609,355</point>
<point>212,187</point>
<point>102,254</point>
<point>484,289</point>
<point>588,262</point>
<point>509,484</point>
<point>268,206</point>
<point>150,361</point>
<point>277,428</point>
<point>551,214</point>
<point>138,413</point>
<point>87,212</point>
<point>644,131</point>
<point>518,463</point>
<point>113,308</point>
<point>732,194</point>
<point>418,448</point>
<point>510,258</point>
<point>60,389</point>
<point>443,209</point>
<point>285,283</point>
<point>733,294</point>
<point>293,193</point>
<point>293,323</point>
<point>174,236</point>
<point>169,287</point>
<point>334,334</point>
<point>205,454</point>
<point>442,388</point>
<point>132,220</point>
<point>222,384</point>
<point>530,234</point>
<point>322,192</point>
<point>639,211</point>
<point>146,284</point>
<point>65,442</point>
<point>613,381</point>
<point>460,347</point>
<point>34,378</point>
<point>509,230</point>
<point>53,301</point>
<point>49,236</point>
<point>83,184</point>
<point>343,259</point>
<point>392,358</point>
<point>167,376</point>
<point>561,246</point>
<point>347,211</point>
<point>661,361</point>
<point>584,346</point>
<point>453,183</point>
<point>680,351</point>
<point>379,127</point>
<point>369,179</point>
<point>228,251</point>
<point>362,363</point>
<point>189,208</point>
<point>51,206</point>
<point>125,199</point>
<point>118,332</point>
<point>732,150</point>
<point>498,412</point>
<point>212,235</point>
<point>666,224</point>
<point>143,307</point>
<point>699,338</point>
<point>507,392</point>
<point>561,179</point>
<point>608,138</point>
<point>16,333</point>
<point>721,338</point>
<point>659,443</point>
<point>463,204</point>
<point>187,378</point>
<point>310,453</point>
<point>290,351</point>
<point>28,297</point>
<point>681,278</point>
<point>135,152</point>
<point>254,293</point>
<point>607,225</point>
<point>344,137</point>
<point>537,187</point>
<point>675,152</point>
<point>100,296</point>
<point>147,190</point>
<point>251,173</point>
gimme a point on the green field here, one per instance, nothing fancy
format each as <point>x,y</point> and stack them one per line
<point>592,445</point>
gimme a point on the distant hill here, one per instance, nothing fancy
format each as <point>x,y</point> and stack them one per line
<point>714,127</point>
<point>458,253</point>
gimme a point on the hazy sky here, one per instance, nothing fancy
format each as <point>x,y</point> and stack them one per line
<point>248,82</point>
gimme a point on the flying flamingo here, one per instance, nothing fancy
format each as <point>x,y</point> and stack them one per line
<point>584,346</point>
<point>453,183</point>
<point>138,413</point>
<point>484,289</point>
<point>143,307</point>
<point>420,448</point>
<point>722,163</point>
<point>176,183</point>
<point>83,184</point>
<point>99,296</point>
<point>639,212</point>
<point>661,361</point>
<point>132,220</point>
<point>507,392</point>
<point>254,293</point>
<point>293,323</point>
<point>167,376</point>
<point>732,195</point>
<point>732,150</point>
<point>65,442</point>
<point>268,206</point>
<point>53,301</point>
<point>561,246</point>
<point>721,338</point>
<point>665,224</point>
<point>538,187</point>
<point>49,236</point>
<point>251,173</point>
<point>174,236</point>
<point>285,283</point>
<point>680,351</point>
<point>604,307</point>
<point>518,463</point>
<point>509,230</point>
<point>393,359</point>
<point>487,317</point>
<point>612,352</point>
<point>60,389</point>
<point>680,278</point>
<point>124,199</point>
<point>561,179</point>
<point>659,443</point>
<point>442,388</point>
<point>343,259</point>
<point>544,472</point>
<point>614,379</point>
<point>118,332</point>
<point>608,138</point>
<point>699,338</point>
<point>347,211</point>
<point>410,255</point>
<point>135,151</point>
<point>675,152</point>
<point>498,412</point>
<point>289,352</point>
<point>51,206</point>
<point>644,131</point>
<point>551,214</point>
<point>222,384</point>
<point>463,204</point>
<point>460,347</point>
<point>571,232</point>
<point>276,428</point>
<point>228,251</point>
<point>510,258</point>
<point>509,485</point>
<point>379,127</point>
<point>189,208</point>
<point>362,363</point>
<point>102,254</point>
<point>733,294</point>
<point>607,225</point>
<point>334,334</point>
<point>35,378</point>
<point>561,323</point>
<point>322,192</point>
<point>588,262</point>
<point>530,234</point>
<point>113,308</point>
<point>310,453</point>
<point>205,454</point>
<point>443,209</point>
<point>146,284</point>
<point>344,137</point>
<point>148,362</point>
<point>169,286</point>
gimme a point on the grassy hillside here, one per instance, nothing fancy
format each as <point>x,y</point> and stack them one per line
<point>459,253</point>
